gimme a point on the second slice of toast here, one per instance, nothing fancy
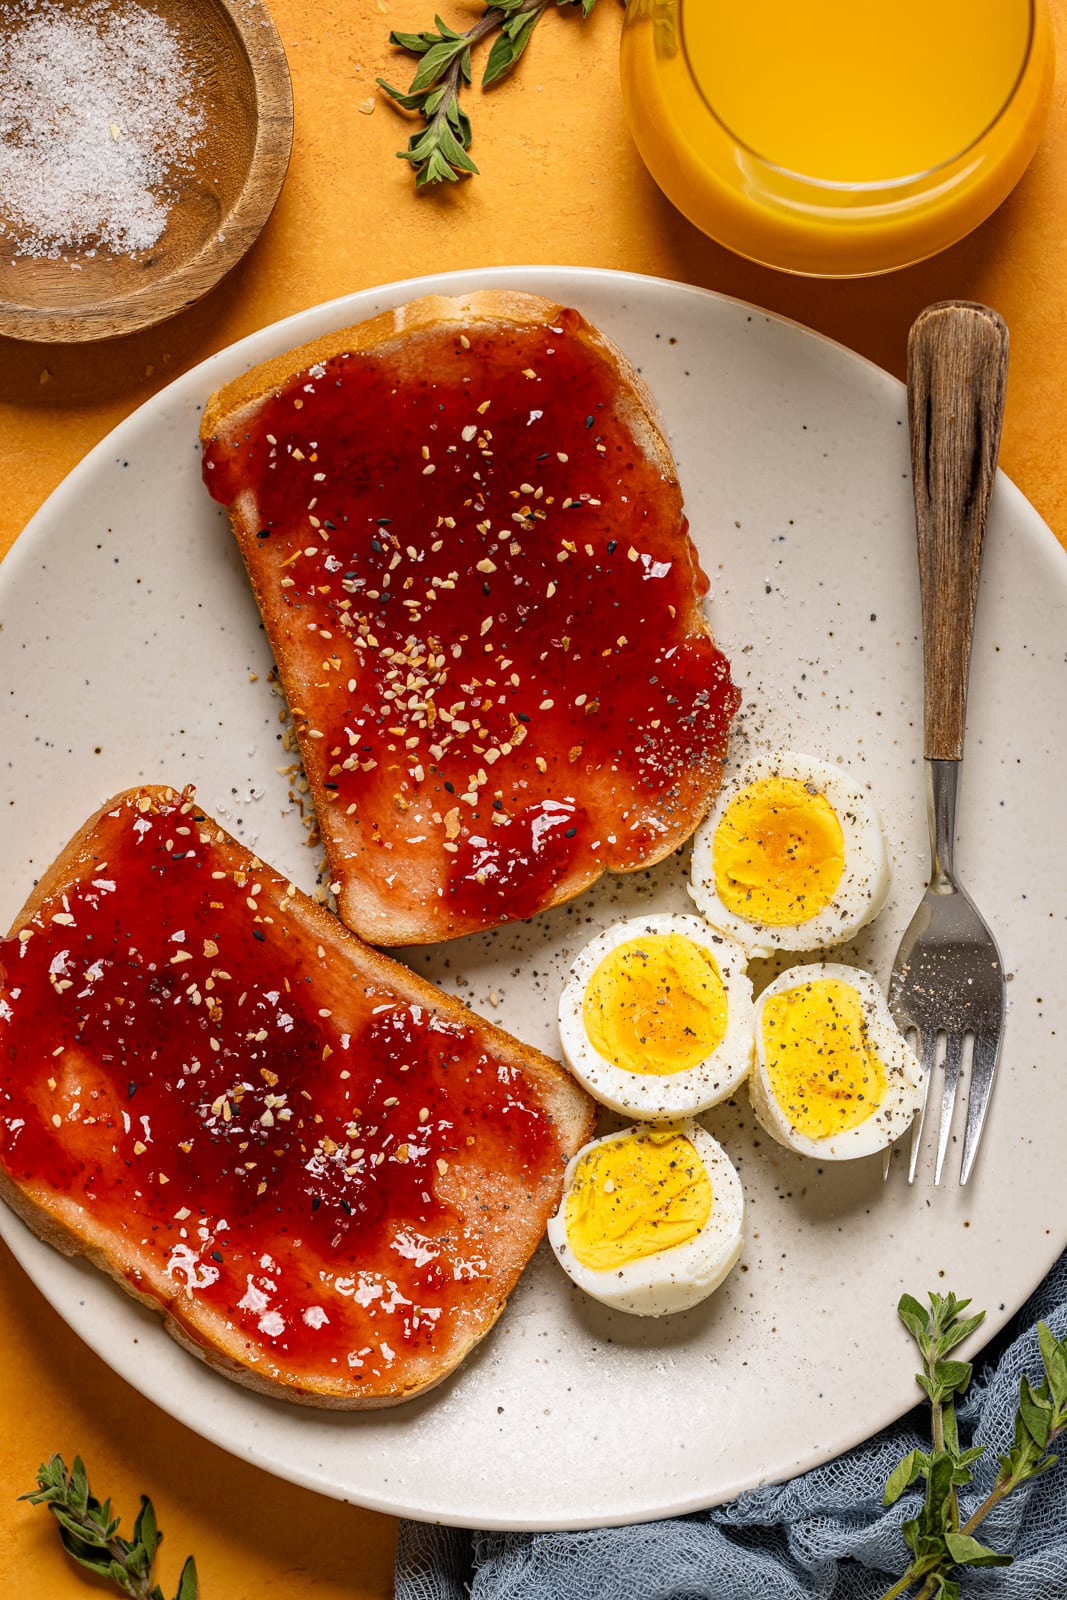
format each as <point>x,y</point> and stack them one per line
<point>326,1174</point>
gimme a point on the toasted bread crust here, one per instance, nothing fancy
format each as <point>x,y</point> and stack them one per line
<point>639,784</point>
<point>72,1186</point>
<point>229,408</point>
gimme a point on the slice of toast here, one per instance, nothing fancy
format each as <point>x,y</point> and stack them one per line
<point>326,1174</point>
<point>463,527</point>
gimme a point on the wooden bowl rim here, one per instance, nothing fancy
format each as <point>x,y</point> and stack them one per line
<point>152,303</point>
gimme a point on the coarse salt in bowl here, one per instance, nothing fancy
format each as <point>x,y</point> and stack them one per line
<point>141,153</point>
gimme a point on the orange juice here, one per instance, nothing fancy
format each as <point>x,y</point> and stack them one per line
<point>837,137</point>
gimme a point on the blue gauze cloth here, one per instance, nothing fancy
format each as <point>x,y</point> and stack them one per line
<point>823,1536</point>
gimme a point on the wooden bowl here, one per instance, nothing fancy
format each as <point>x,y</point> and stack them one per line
<point>216,208</point>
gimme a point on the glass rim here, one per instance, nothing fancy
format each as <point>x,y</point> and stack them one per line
<point>872,186</point>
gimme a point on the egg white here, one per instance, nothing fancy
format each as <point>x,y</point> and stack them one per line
<point>904,1075</point>
<point>864,882</point>
<point>660,1096</point>
<point>683,1274</point>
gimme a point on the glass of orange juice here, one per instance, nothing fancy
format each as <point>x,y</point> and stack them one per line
<point>836,137</point>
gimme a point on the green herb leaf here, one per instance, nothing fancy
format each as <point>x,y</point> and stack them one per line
<point>914,1316</point>
<point>1054,1356</point>
<point>952,1375</point>
<point>90,1536</point>
<point>960,1330</point>
<point>903,1476</point>
<point>410,102</point>
<point>438,153</point>
<point>414,43</point>
<point>1035,1412</point>
<point>968,1552</point>
<point>939,1546</point>
<point>509,45</point>
<point>145,1532</point>
<point>188,1587</point>
<point>439,59</point>
<point>80,1536</point>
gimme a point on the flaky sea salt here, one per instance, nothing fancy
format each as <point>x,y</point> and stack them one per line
<point>97,115</point>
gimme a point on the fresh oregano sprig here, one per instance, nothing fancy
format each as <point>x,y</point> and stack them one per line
<point>939,1543</point>
<point>90,1534</point>
<point>438,152</point>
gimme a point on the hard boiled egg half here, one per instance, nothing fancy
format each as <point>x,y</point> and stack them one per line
<point>651,1219</point>
<point>834,1077</point>
<point>656,1017</point>
<point>792,857</point>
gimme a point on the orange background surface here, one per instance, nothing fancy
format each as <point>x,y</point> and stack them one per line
<point>561,183</point>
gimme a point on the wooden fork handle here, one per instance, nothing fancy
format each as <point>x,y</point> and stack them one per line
<point>957,375</point>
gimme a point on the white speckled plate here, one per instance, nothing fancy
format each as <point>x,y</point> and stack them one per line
<point>129,642</point>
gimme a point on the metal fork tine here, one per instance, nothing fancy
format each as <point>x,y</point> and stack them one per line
<point>983,1070</point>
<point>953,1058</point>
<point>926,1049</point>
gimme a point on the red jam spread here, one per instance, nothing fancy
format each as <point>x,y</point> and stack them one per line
<point>483,599</point>
<point>274,1138</point>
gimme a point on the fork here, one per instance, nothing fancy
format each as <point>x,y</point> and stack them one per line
<point>947,982</point>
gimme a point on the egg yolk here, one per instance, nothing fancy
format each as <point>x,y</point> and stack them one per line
<point>823,1069</point>
<point>656,1004</point>
<point>636,1196</point>
<point>778,854</point>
